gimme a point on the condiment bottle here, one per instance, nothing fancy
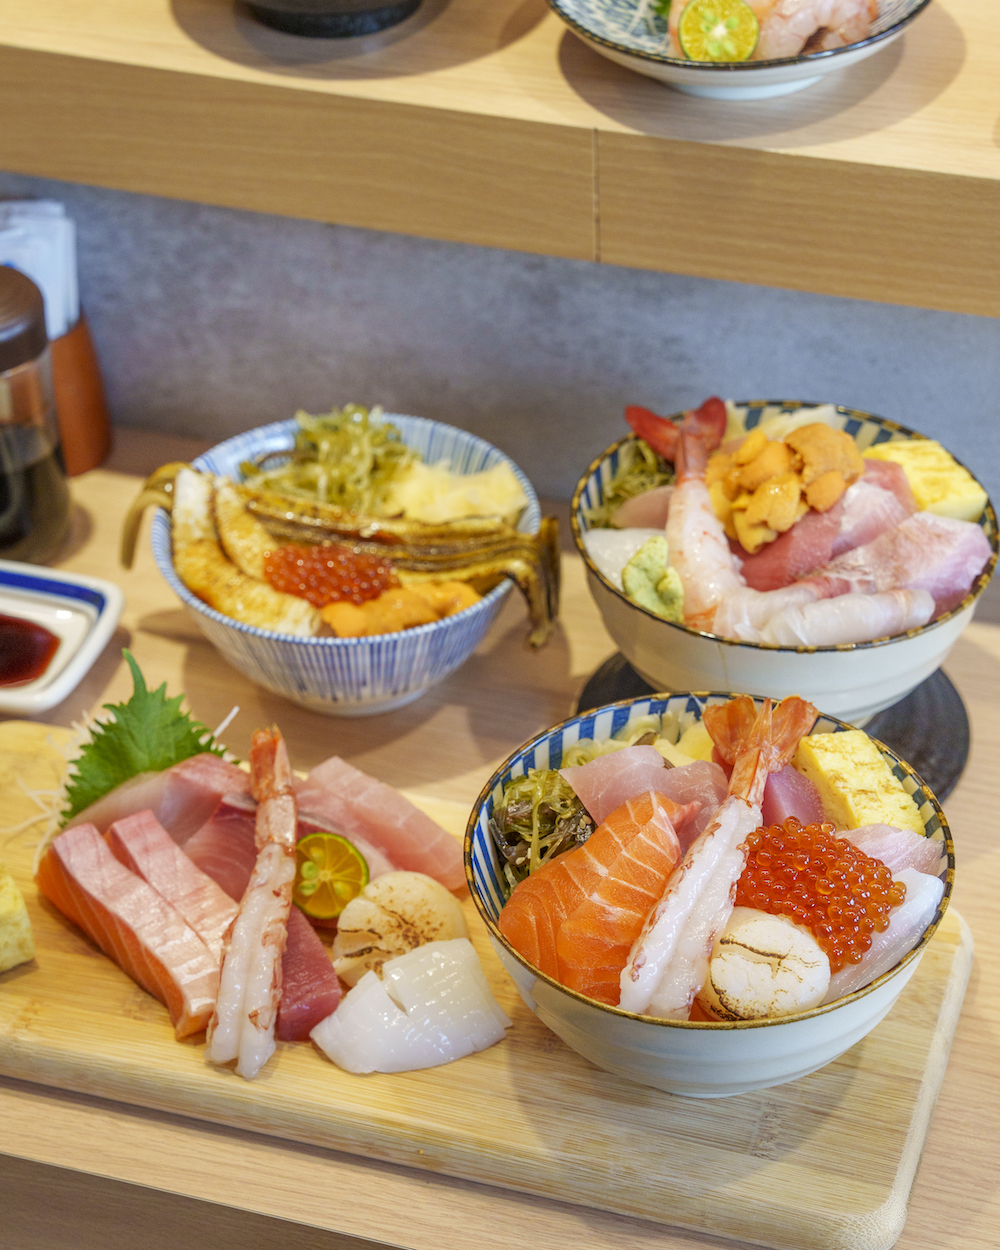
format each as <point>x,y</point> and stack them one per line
<point>34,497</point>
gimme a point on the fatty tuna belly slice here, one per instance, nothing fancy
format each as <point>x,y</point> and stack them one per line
<point>224,848</point>
<point>607,782</point>
<point>359,805</point>
<point>182,798</point>
<point>146,937</point>
<point>142,844</point>
<point>310,990</point>
<point>432,1006</point>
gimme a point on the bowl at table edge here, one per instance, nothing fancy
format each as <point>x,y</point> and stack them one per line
<point>349,676</point>
<point>694,1058</point>
<point>851,680</point>
<point>604,26</point>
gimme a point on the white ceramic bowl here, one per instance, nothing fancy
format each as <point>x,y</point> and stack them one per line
<point>606,25</point>
<point>700,1060</point>
<point>349,676</point>
<point>850,680</point>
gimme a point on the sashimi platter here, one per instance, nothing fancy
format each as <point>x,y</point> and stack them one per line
<point>679,897</point>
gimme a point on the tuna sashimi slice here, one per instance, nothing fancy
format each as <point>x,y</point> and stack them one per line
<point>634,852</point>
<point>891,476</point>
<point>132,924</point>
<point>867,511</point>
<point>310,990</point>
<point>605,783</point>
<point>359,805</point>
<point>182,798</point>
<point>898,848</point>
<point>646,511</point>
<point>806,546</point>
<point>789,793</point>
<point>142,844</point>
<point>702,783</point>
<point>224,847</point>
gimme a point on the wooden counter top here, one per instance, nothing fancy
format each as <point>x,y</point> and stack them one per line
<point>486,121</point>
<point>92,1174</point>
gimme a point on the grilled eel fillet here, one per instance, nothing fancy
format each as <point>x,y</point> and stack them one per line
<point>478,550</point>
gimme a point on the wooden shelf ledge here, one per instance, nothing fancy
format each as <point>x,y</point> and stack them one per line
<point>487,122</point>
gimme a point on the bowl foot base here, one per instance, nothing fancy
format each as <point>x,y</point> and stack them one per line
<point>929,728</point>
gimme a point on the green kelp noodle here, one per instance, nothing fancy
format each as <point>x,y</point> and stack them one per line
<point>349,457</point>
<point>538,818</point>
<point>639,469</point>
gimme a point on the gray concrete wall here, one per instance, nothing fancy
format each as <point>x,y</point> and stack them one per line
<point>209,321</point>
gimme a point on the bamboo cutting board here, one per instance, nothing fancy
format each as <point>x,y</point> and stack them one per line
<point>824,1163</point>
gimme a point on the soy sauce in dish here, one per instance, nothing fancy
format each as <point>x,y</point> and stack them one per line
<point>26,650</point>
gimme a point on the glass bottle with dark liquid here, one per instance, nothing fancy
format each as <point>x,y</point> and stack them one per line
<point>34,497</point>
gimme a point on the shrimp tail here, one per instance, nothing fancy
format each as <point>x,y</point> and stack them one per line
<point>270,770</point>
<point>729,725</point>
<point>692,456</point>
<point>769,745</point>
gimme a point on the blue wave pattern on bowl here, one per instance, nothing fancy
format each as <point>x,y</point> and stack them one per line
<point>547,750</point>
<point>615,22</point>
<point>375,673</point>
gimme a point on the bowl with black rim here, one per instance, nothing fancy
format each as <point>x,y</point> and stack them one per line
<point>850,680</point>
<point>617,30</point>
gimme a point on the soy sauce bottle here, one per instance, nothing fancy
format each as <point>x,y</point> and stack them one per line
<point>34,497</point>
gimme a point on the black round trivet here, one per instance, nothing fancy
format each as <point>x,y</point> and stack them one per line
<point>929,728</point>
<point>344,20</point>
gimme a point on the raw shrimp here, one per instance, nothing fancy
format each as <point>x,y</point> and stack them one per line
<point>242,1027</point>
<point>668,963</point>
<point>787,26</point>
<point>699,550</point>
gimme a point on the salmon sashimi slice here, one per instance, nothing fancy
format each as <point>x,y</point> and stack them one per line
<point>357,804</point>
<point>633,852</point>
<point>539,904</point>
<point>132,924</point>
<point>142,844</point>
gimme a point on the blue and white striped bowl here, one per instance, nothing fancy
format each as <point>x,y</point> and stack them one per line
<point>349,676</point>
<point>699,1059</point>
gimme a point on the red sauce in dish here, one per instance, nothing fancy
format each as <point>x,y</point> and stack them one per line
<point>26,650</point>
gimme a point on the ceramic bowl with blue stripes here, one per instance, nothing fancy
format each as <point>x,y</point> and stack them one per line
<point>698,1059</point>
<point>851,680</point>
<point>350,676</point>
<point>633,33</point>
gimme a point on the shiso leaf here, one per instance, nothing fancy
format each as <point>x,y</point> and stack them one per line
<point>149,733</point>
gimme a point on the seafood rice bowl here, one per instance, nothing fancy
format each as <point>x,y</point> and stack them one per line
<point>849,679</point>
<point>678,1048</point>
<point>349,676</point>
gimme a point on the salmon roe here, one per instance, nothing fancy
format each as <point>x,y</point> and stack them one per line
<point>822,882</point>
<point>328,573</point>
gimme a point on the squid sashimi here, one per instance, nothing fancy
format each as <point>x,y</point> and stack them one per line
<point>142,844</point>
<point>789,793</point>
<point>605,783</point>
<point>358,805</point>
<point>242,1027</point>
<point>906,923</point>
<point>431,1006</point>
<point>576,918</point>
<point>310,990</point>
<point>146,937</point>
<point>182,798</point>
<point>849,618</point>
<point>668,963</point>
<point>898,848</point>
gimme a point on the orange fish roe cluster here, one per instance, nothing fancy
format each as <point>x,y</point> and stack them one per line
<point>328,574</point>
<point>822,882</point>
